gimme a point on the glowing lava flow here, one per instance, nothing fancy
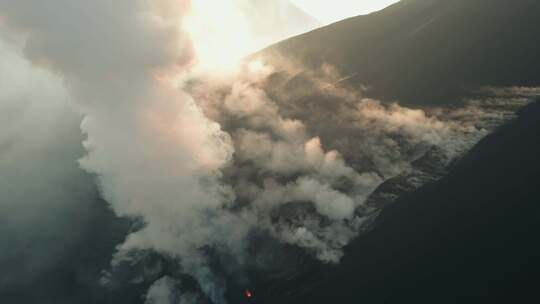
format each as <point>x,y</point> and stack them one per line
<point>248,294</point>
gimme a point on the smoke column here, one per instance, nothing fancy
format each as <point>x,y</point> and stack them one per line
<point>202,166</point>
<point>155,154</point>
<point>157,157</point>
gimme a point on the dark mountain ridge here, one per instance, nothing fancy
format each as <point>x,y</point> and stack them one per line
<point>471,237</point>
<point>428,51</point>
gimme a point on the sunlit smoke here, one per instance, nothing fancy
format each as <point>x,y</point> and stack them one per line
<point>225,31</point>
<point>202,164</point>
<point>220,34</point>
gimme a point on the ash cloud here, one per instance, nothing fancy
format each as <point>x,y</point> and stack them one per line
<point>155,154</point>
<point>310,153</point>
<point>207,168</point>
<point>165,291</point>
<point>46,200</point>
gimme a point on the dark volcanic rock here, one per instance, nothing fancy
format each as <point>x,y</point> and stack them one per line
<point>428,51</point>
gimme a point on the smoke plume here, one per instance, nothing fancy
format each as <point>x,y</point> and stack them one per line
<point>206,161</point>
<point>46,200</point>
<point>150,145</point>
<point>300,138</point>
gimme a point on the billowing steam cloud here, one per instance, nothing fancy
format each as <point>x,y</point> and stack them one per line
<point>157,157</point>
<point>205,163</point>
<point>315,197</point>
<point>146,140</point>
<point>46,200</point>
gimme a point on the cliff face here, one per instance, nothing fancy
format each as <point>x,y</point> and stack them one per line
<point>429,51</point>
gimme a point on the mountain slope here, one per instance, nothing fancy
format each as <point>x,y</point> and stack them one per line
<point>428,51</point>
<point>471,237</point>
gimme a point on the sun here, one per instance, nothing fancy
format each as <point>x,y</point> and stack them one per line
<point>220,34</point>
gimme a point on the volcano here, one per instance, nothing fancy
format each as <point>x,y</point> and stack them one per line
<point>428,51</point>
<point>471,236</point>
<point>386,158</point>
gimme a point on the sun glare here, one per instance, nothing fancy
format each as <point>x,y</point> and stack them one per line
<point>220,34</point>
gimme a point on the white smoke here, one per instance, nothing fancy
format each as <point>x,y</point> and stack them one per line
<point>202,166</point>
<point>161,292</point>
<point>46,200</point>
<point>280,159</point>
<point>224,31</point>
<point>272,21</point>
<point>156,155</point>
<point>165,291</point>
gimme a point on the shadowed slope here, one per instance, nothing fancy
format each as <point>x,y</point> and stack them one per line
<point>429,51</point>
<point>470,237</point>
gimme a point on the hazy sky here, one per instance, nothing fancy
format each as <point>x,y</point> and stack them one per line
<point>334,10</point>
